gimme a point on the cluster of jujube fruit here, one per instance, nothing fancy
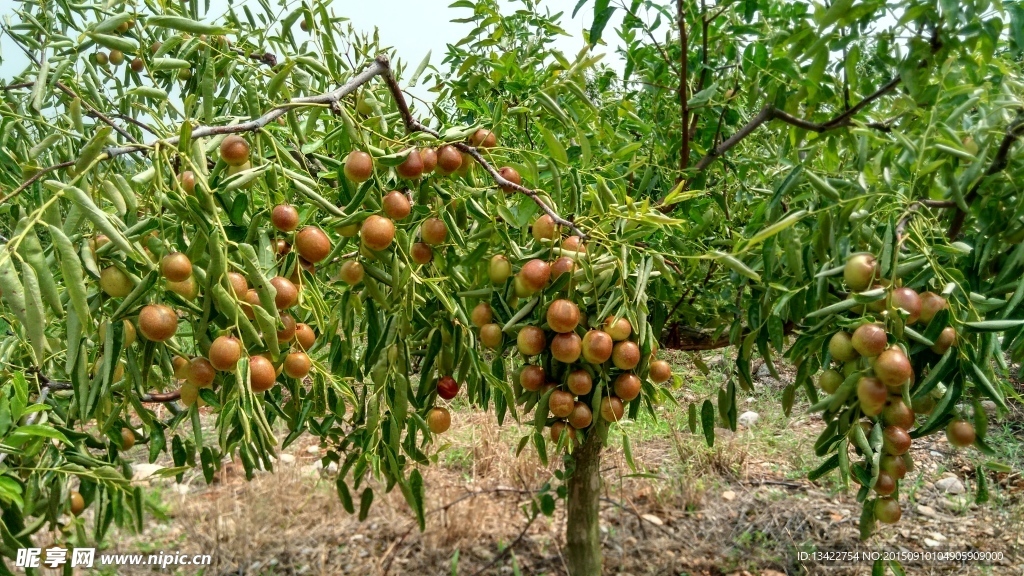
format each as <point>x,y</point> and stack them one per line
<point>564,352</point>
<point>158,322</point>
<point>874,370</point>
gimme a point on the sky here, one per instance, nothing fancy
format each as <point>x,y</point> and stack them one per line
<point>413,27</point>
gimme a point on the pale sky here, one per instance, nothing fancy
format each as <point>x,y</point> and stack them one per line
<point>413,27</point>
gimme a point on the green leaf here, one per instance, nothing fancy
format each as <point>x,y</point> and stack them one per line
<point>602,13</point>
<point>707,422</point>
<point>554,146</point>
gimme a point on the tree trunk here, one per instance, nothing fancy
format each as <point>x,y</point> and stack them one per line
<point>582,529</point>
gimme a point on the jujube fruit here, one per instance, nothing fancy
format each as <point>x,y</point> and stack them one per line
<point>234,150</point>
<point>907,299</point>
<point>262,374</point>
<point>286,333</point>
<point>239,285</point>
<point>597,346</point>
<point>351,272</point>
<point>895,440</point>
<point>535,274</point>
<point>893,368</point>
<point>481,314</point>
<point>287,294</point>
<point>532,377</point>
<point>187,288</point>
<point>627,386</point>
<point>421,253</point>
<point>377,232</point>
<point>483,138</point>
<point>945,340</point>
<point>960,433</point>
<point>312,244</point>
<point>201,372</point>
<point>860,270</point>
<point>297,365</point>
<point>659,371</point>
<point>138,65</point>
<point>531,341</point>
<point>543,228</point>
<point>176,267</point>
<point>556,432</point>
<point>897,413</point>
<point>304,336</point>
<point>429,158</point>
<point>127,439</point>
<point>612,409</point>
<point>625,356</point>
<point>573,244</point>
<point>439,420</point>
<point>77,503</point>
<point>829,381</point>
<point>447,387</point>
<point>562,265</point>
<point>869,339</point>
<point>884,484</point>
<point>396,205</point>
<point>158,322</point>
<point>188,181</point>
<point>116,57</point>
<point>491,336</point>
<point>841,347</point>
<point>509,173</point>
<point>619,329</point>
<point>433,231</point>
<point>412,167</point>
<point>561,403</point>
<point>887,510</point>
<point>894,466</point>
<point>566,347</point>
<point>284,217</point>
<point>358,166</point>
<point>872,395</point>
<point>563,315</point>
<point>579,382</point>
<point>115,283</point>
<point>252,298</point>
<point>448,160</point>
<point>499,269</point>
<point>225,353</point>
<point>581,417</point>
<point>931,304</point>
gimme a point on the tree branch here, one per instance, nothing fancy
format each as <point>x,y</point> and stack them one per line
<point>769,112</point>
<point>93,111</point>
<point>999,162</point>
<point>413,125</point>
<point>35,177</point>
<point>379,66</point>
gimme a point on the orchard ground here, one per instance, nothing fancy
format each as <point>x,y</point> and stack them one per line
<point>742,507</point>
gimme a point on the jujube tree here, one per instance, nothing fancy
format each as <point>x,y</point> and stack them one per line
<point>251,217</point>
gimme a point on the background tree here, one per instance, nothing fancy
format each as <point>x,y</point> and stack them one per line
<point>248,214</point>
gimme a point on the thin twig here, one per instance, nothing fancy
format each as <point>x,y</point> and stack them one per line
<point>35,177</point>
